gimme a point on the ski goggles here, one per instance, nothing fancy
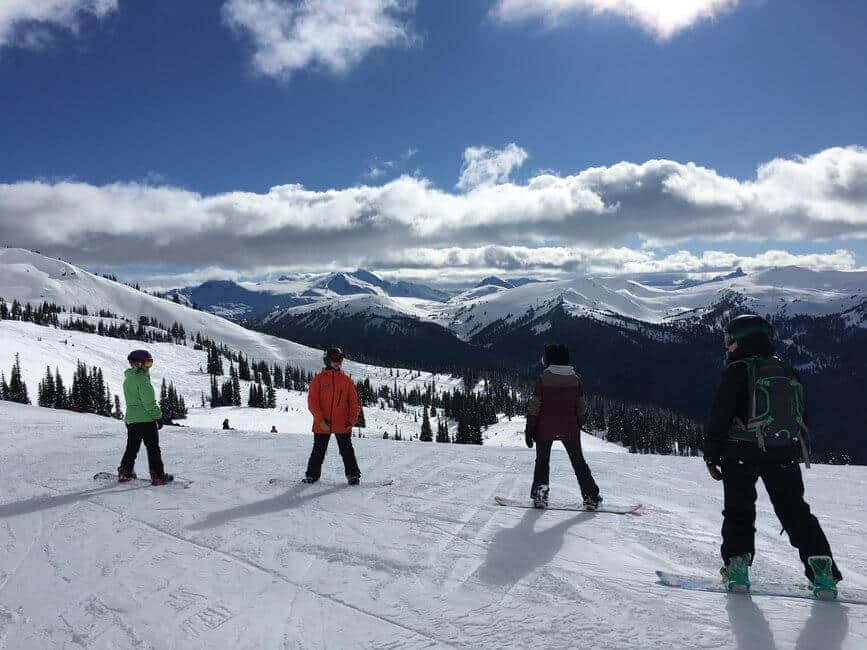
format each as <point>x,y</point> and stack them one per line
<point>148,363</point>
<point>336,357</point>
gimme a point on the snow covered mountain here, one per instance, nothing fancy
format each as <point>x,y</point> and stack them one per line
<point>631,341</point>
<point>29,277</point>
<point>238,301</point>
<point>428,562</point>
<point>782,292</point>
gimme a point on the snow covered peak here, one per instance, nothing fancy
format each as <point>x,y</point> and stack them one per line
<point>494,281</point>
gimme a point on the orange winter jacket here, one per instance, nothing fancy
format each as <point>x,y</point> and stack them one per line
<point>333,402</point>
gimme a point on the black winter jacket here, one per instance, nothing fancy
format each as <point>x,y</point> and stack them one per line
<point>733,401</point>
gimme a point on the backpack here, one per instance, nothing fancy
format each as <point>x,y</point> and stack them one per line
<point>776,410</point>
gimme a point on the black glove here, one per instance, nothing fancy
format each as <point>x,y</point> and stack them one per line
<point>529,436</point>
<point>159,424</point>
<point>714,470</point>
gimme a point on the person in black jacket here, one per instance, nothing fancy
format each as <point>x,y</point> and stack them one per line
<point>738,458</point>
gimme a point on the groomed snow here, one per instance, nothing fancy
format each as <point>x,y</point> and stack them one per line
<point>428,562</point>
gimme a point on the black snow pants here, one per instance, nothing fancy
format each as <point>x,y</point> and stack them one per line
<point>785,487</point>
<point>588,486</point>
<point>148,433</point>
<point>320,446</point>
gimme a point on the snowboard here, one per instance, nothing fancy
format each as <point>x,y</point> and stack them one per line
<point>288,481</point>
<point>109,476</point>
<point>573,507</point>
<point>780,590</point>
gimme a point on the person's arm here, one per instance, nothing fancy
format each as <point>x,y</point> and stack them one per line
<point>313,401</point>
<point>353,406</point>
<point>581,405</point>
<point>722,415</point>
<point>149,400</point>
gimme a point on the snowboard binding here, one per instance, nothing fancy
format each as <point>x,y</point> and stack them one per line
<point>736,574</point>
<point>540,497</point>
<point>823,585</point>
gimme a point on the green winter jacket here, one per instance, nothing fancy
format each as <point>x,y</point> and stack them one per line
<point>141,404</point>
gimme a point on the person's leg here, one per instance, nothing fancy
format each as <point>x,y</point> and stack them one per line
<point>317,456</point>
<point>589,489</point>
<point>739,513</point>
<point>133,443</point>
<point>151,438</point>
<point>347,452</point>
<point>785,487</point>
<point>543,465</point>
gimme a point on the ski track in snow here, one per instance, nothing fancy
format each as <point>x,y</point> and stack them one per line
<point>427,562</point>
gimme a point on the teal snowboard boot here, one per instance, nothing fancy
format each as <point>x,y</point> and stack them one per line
<point>736,574</point>
<point>823,586</point>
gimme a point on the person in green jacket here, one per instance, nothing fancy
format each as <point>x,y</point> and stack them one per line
<point>143,420</point>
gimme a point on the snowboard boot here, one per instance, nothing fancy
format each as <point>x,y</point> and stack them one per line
<point>309,479</point>
<point>161,479</point>
<point>592,503</point>
<point>353,480</point>
<point>124,475</point>
<point>540,497</point>
<point>823,585</point>
<point>736,574</point>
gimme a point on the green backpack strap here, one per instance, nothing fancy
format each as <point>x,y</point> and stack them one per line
<point>750,364</point>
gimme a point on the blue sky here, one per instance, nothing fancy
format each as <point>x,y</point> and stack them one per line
<point>175,102</point>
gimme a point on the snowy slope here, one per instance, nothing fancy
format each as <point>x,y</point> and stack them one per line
<point>39,346</point>
<point>426,563</point>
<point>31,277</point>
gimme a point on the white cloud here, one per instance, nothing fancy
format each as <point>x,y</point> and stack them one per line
<point>376,172</point>
<point>380,168</point>
<point>558,261</point>
<point>658,203</point>
<point>27,23</point>
<point>289,35</point>
<point>662,18</point>
<point>486,166</point>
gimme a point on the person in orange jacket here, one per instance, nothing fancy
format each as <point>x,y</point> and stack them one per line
<point>333,401</point>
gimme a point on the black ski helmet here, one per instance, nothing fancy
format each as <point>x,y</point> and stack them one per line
<point>139,356</point>
<point>555,354</point>
<point>746,325</point>
<point>332,353</point>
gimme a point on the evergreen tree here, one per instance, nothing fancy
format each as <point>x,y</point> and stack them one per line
<point>47,393</point>
<point>443,431</point>
<point>426,432</point>
<point>236,391</point>
<point>164,399</point>
<point>118,414</point>
<point>60,401</point>
<point>215,395</point>
<point>16,391</point>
